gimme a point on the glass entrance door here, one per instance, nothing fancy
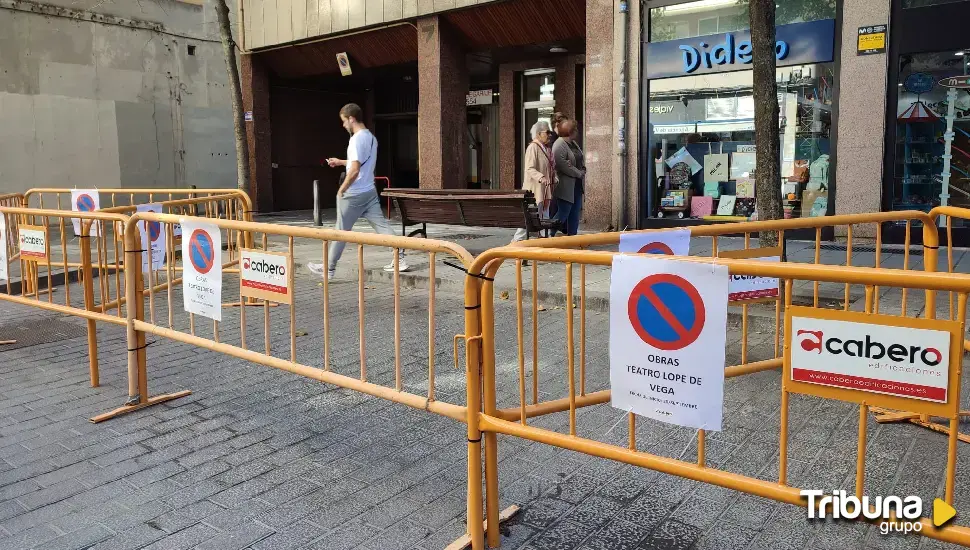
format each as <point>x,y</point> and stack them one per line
<point>538,99</point>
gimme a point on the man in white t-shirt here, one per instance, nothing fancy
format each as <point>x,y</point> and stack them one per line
<point>357,196</point>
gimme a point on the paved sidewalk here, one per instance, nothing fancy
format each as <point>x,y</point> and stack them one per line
<point>263,459</point>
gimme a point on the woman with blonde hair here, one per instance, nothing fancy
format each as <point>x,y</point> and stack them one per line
<point>540,171</point>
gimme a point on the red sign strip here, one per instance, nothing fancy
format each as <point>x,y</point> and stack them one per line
<point>264,286</point>
<point>862,383</point>
<point>753,294</point>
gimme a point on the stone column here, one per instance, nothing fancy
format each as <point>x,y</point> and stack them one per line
<point>599,209</point>
<point>442,119</point>
<point>255,89</point>
<point>862,122</point>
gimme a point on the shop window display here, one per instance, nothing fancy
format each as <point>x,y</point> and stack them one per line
<point>701,108</point>
<point>920,181</point>
<point>703,140</point>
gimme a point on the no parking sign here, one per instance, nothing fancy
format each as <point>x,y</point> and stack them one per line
<point>202,268</point>
<point>85,200</point>
<point>668,325</point>
<point>152,239</point>
<point>675,242</point>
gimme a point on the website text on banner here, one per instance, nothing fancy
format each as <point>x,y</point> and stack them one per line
<point>514,421</point>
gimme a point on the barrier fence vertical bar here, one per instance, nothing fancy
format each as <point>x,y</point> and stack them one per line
<point>931,249</point>
<point>570,355</point>
<point>487,343</point>
<point>101,231</point>
<point>326,308</point>
<point>135,338</point>
<point>242,314</point>
<point>848,263</point>
<point>878,264</point>
<point>88,288</point>
<point>397,319</point>
<point>535,332</point>
<point>267,345</point>
<point>292,313</point>
<point>949,258</point>
<point>432,282</point>
<point>170,270</point>
<point>906,243</point>
<point>474,306</point>
<point>783,429</point>
<point>582,329</point>
<point>860,469</point>
<point>50,277</point>
<point>520,337</point>
<point>818,260</point>
<point>67,272</point>
<point>951,450</point>
<point>631,421</point>
<point>360,305</point>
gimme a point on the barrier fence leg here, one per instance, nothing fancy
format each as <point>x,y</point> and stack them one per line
<point>87,280</point>
<point>137,354</point>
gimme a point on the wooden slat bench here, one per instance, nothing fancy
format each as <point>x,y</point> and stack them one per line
<point>468,207</point>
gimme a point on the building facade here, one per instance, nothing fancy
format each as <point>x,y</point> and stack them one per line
<point>113,94</point>
<point>661,89</point>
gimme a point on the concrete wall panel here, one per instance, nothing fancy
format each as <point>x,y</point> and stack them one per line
<point>86,103</point>
<point>210,151</point>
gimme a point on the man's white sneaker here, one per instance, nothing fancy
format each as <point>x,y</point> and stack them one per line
<point>317,269</point>
<point>402,266</point>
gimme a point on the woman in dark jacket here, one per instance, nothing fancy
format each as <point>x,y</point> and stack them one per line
<point>571,169</point>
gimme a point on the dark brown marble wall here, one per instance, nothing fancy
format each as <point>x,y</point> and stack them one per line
<point>255,88</point>
<point>442,119</point>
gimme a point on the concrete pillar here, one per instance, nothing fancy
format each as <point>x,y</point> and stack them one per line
<point>255,89</point>
<point>599,208</point>
<point>442,119</point>
<point>861,125</point>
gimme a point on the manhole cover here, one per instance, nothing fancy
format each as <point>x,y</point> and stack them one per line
<point>42,331</point>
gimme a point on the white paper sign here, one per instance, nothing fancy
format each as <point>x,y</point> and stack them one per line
<point>749,287</point>
<point>905,362</point>
<point>675,242</point>
<point>3,247</point>
<point>202,268</point>
<point>152,239</point>
<point>668,328</point>
<point>85,200</point>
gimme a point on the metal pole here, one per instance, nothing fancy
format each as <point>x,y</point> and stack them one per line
<point>621,120</point>
<point>317,217</point>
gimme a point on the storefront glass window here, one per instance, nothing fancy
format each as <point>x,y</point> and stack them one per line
<point>920,180</point>
<point>717,16</point>
<point>710,119</point>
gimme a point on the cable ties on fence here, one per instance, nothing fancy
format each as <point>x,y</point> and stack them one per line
<point>479,440</point>
<point>931,247</point>
<point>133,251</point>
<point>468,308</point>
<point>139,348</point>
<point>460,268</point>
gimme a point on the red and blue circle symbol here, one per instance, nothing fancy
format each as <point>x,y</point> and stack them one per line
<point>85,203</point>
<point>656,248</point>
<point>154,230</point>
<point>666,312</point>
<point>202,253</point>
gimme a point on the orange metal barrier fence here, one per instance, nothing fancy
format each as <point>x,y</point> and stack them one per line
<point>514,421</point>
